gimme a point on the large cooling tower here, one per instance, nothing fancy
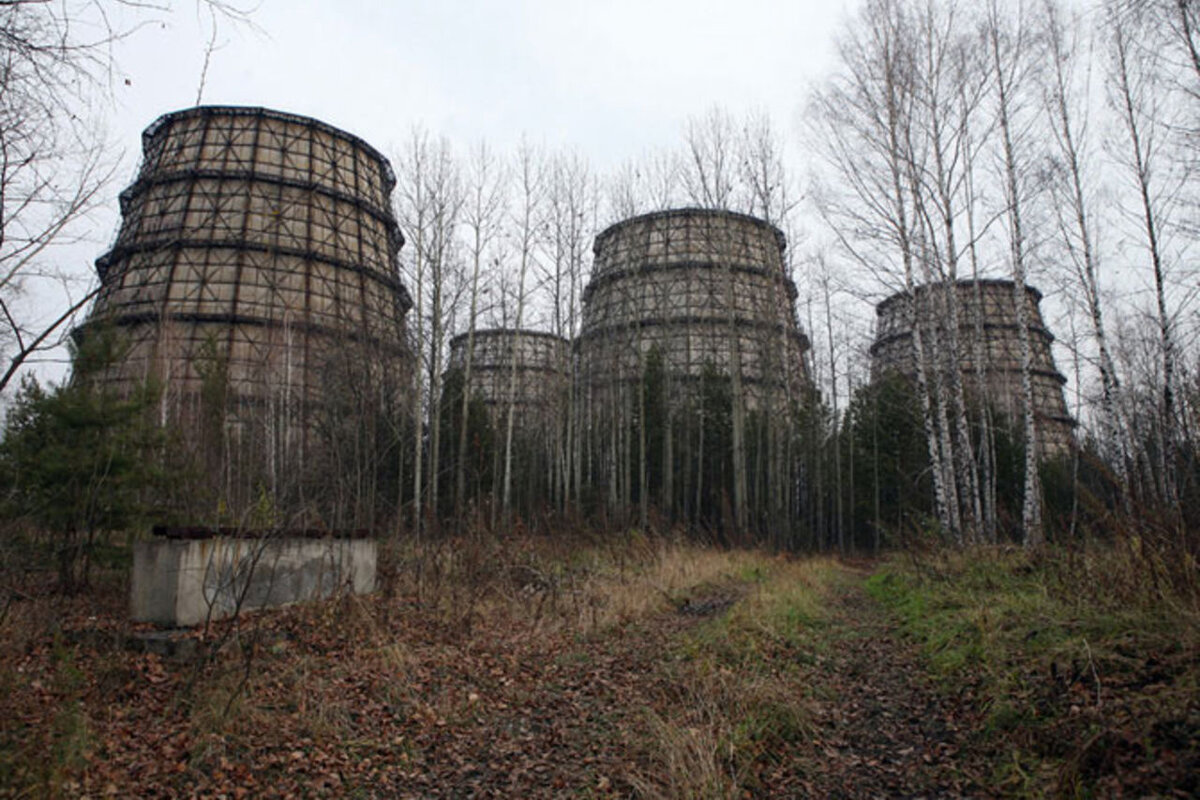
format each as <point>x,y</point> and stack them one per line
<point>261,240</point>
<point>540,372</point>
<point>702,287</point>
<point>987,331</point>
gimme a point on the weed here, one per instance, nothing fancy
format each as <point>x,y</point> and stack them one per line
<point>70,740</point>
<point>734,703</point>
<point>1054,661</point>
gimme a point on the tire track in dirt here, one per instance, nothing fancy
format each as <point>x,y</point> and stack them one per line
<point>559,717</point>
<point>882,728</point>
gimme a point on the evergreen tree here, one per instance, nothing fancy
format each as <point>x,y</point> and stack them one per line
<point>78,460</point>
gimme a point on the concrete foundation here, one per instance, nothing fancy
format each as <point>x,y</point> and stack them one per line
<point>181,582</point>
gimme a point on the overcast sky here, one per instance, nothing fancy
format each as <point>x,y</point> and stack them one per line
<point>611,78</point>
<point>614,80</point>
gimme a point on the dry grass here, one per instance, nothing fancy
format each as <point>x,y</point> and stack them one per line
<point>738,697</point>
<point>690,759</point>
<point>359,678</point>
<point>547,585</point>
<point>1128,573</point>
<point>734,697</point>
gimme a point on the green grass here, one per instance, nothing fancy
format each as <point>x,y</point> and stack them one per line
<point>989,609</point>
<point>738,699</point>
<point>777,617</point>
<point>1050,660</point>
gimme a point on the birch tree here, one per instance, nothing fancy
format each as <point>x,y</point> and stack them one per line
<point>570,232</point>
<point>863,120</point>
<point>415,214</point>
<point>1138,94</point>
<point>444,194</point>
<point>482,221</point>
<point>947,89</point>
<point>1064,86</point>
<point>529,173</point>
<point>1008,42</point>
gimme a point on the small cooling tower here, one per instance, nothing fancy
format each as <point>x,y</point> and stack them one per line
<point>988,337</point>
<point>535,382</point>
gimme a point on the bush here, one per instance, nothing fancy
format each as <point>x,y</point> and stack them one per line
<point>77,461</point>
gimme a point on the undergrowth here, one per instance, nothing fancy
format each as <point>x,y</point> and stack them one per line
<point>342,688</point>
<point>549,584</point>
<point>1083,689</point>
<point>736,705</point>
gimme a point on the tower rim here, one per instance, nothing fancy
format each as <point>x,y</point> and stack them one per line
<point>193,112</point>
<point>688,211</point>
<point>885,304</point>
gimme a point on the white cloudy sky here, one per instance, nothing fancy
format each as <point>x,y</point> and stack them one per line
<point>611,78</point>
<point>614,79</point>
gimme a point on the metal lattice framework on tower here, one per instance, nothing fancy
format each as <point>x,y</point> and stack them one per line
<point>690,366</point>
<point>525,367</point>
<point>989,343</point>
<point>703,287</point>
<point>262,237</point>
<point>255,279</point>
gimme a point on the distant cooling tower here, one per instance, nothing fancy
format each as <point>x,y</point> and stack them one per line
<point>987,310</point>
<point>541,371</point>
<point>705,288</point>
<point>262,239</point>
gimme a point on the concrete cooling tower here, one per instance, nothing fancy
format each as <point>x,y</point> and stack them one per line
<point>987,331</point>
<point>541,367</point>
<point>259,239</point>
<point>702,287</point>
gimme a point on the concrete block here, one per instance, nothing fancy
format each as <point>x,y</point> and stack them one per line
<point>182,582</point>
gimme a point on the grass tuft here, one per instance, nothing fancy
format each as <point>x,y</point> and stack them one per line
<point>1056,664</point>
<point>736,704</point>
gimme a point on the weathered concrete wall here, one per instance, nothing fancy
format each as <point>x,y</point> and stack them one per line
<point>542,371</point>
<point>988,338</point>
<point>698,285</point>
<point>182,582</point>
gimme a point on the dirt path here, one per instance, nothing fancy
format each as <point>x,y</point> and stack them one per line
<point>352,701</point>
<point>561,718</point>
<point>882,728</point>
<point>571,718</point>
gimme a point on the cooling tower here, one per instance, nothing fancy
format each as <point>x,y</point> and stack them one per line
<point>540,372</point>
<point>987,332</point>
<point>259,240</point>
<point>701,288</point>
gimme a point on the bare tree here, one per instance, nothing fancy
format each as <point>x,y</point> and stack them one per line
<point>52,167</point>
<point>947,92</point>
<point>971,143</point>
<point>766,180</point>
<point>864,122</point>
<point>1137,91</point>
<point>414,214</point>
<point>710,167</point>
<point>482,221</point>
<point>653,183</point>
<point>570,231</point>
<point>56,62</point>
<point>530,175</point>
<point>839,527</point>
<point>1064,94</point>
<point>1008,42</point>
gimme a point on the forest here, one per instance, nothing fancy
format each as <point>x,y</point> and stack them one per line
<point>1046,145</point>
